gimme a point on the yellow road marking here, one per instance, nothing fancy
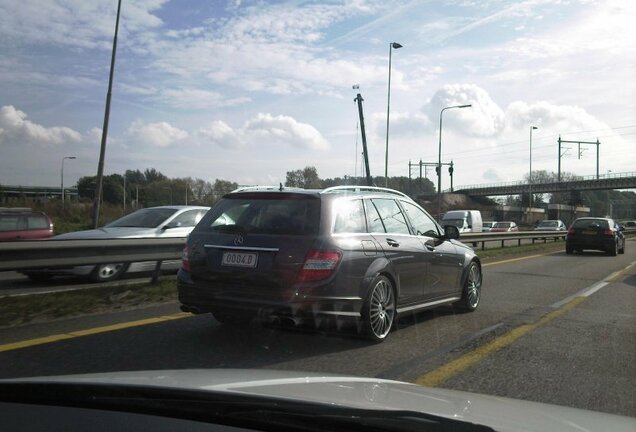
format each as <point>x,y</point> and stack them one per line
<point>614,277</point>
<point>450,369</point>
<point>96,330</point>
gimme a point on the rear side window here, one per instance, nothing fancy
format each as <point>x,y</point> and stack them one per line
<point>37,222</point>
<point>278,216</point>
<point>350,217</point>
<point>591,223</point>
<point>391,216</point>
<point>9,223</point>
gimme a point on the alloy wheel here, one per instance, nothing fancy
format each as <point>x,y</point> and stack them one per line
<point>381,308</point>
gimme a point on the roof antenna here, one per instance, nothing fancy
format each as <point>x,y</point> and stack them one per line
<point>281,187</point>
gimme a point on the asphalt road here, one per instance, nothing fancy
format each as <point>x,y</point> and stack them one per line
<point>540,334</point>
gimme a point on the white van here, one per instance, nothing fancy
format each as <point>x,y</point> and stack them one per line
<point>464,220</point>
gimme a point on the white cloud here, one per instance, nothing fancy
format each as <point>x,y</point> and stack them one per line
<point>287,130</point>
<point>265,130</point>
<point>491,175</point>
<point>193,98</point>
<point>484,119</point>
<point>221,134</point>
<point>403,124</point>
<point>557,117</point>
<point>161,134</point>
<point>15,129</point>
<point>77,23</point>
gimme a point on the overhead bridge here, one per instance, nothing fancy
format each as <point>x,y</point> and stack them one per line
<point>604,182</point>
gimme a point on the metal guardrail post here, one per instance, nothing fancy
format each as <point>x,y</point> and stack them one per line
<point>155,273</point>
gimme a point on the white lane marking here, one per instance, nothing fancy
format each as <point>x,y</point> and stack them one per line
<point>585,292</point>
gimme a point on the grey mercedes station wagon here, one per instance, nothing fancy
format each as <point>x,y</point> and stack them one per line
<point>344,255</point>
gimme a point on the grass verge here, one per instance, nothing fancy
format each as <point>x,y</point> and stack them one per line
<point>51,306</point>
<point>527,249</point>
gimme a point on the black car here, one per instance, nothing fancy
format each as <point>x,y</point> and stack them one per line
<point>356,255</point>
<point>595,233</point>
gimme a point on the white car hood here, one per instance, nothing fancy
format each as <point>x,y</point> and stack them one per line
<point>502,414</point>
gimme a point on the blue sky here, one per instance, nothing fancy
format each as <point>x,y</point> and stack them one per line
<point>247,90</point>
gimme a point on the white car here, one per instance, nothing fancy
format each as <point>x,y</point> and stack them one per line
<point>152,222</point>
<point>551,225</point>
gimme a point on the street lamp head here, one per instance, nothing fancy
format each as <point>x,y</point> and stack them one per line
<point>465,106</point>
<point>395,45</point>
<point>534,127</point>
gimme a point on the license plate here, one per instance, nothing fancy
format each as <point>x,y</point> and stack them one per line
<point>240,259</point>
<point>589,232</point>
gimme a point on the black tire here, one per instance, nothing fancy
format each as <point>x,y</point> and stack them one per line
<point>471,293</point>
<point>613,251</point>
<point>39,277</point>
<point>233,316</point>
<point>379,309</point>
<point>622,250</point>
<point>108,272</point>
<point>569,249</point>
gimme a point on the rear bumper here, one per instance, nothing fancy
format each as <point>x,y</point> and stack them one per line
<point>198,298</point>
<point>583,243</point>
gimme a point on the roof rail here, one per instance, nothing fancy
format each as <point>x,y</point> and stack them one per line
<point>15,209</point>
<point>362,189</point>
<point>264,188</point>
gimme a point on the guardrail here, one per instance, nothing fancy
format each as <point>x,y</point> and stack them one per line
<point>485,237</point>
<point>17,256</point>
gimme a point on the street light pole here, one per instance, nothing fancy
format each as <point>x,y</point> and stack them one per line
<point>530,175</point>
<point>439,159</point>
<point>62,179</point>
<point>170,190</point>
<point>392,46</point>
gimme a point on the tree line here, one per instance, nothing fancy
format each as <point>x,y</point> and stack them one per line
<point>152,188</point>
<point>308,178</point>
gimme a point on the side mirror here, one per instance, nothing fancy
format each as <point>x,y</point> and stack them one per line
<point>621,227</point>
<point>171,225</point>
<point>451,232</point>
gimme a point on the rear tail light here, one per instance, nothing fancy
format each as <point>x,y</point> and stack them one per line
<point>185,260</point>
<point>319,265</point>
<point>571,231</point>
<point>608,232</point>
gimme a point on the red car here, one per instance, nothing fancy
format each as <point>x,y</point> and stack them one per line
<point>504,227</point>
<point>24,224</point>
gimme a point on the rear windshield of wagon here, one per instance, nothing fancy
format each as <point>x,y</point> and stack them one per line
<point>275,214</point>
<point>591,223</point>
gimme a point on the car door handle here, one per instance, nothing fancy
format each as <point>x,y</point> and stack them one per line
<point>392,242</point>
<point>429,247</point>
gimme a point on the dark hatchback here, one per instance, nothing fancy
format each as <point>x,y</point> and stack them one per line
<point>343,255</point>
<point>597,234</point>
